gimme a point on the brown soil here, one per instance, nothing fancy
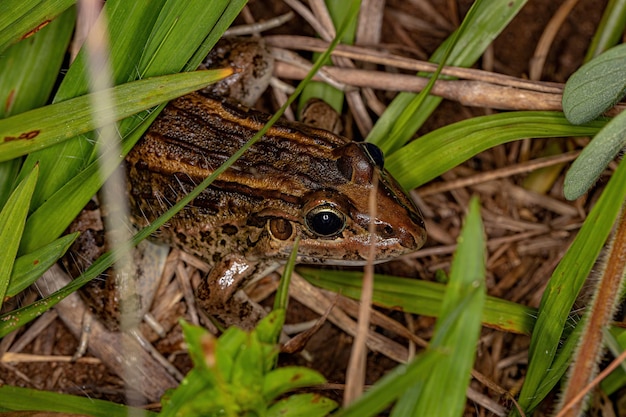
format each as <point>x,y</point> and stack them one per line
<point>517,269</point>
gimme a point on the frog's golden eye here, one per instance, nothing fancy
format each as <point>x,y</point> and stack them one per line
<point>325,220</point>
<point>280,228</point>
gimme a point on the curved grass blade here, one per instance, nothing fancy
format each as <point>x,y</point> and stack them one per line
<point>12,220</point>
<point>610,29</point>
<point>49,125</point>
<point>438,151</point>
<point>563,288</point>
<point>596,86</point>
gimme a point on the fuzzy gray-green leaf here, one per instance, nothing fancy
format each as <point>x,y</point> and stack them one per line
<point>589,165</point>
<point>596,86</point>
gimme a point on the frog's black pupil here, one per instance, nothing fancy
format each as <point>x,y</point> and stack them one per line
<point>375,153</point>
<point>325,222</point>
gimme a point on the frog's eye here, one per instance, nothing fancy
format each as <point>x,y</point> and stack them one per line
<point>325,220</point>
<point>374,153</point>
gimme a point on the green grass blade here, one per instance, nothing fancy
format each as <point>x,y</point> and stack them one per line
<point>487,21</point>
<point>457,330</point>
<point>46,126</point>
<point>16,399</point>
<point>28,268</point>
<point>438,151</point>
<point>18,18</point>
<point>163,53</point>
<point>12,220</point>
<point>390,387</point>
<point>420,297</point>
<point>565,284</point>
<point>28,71</point>
<point>609,30</point>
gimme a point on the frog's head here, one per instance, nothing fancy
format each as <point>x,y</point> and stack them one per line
<point>333,222</point>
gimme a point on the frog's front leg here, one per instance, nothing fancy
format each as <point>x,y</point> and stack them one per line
<point>221,294</point>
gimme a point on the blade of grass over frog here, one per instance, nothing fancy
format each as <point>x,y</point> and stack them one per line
<point>28,268</point>
<point>444,148</point>
<point>12,219</point>
<point>420,297</point>
<point>458,328</point>
<point>595,157</point>
<point>390,387</point>
<point>17,399</point>
<point>49,125</point>
<point>609,30</point>
<point>28,70</point>
<point>596,86</point>
<point>19,18</point>
<point>488,20</point>
<point>565,284</point>
<point>21,316</point>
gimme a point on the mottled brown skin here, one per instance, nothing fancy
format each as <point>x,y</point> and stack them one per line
<point>247,220</point>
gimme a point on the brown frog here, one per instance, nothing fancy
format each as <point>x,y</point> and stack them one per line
<point>296,181</point>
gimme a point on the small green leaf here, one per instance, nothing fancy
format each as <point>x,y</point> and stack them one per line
<point>28,268</point>
<point>288,378</point>
<point>302,405</point>
<point>12,220</point>
<point>596,86</point>
<point>588,167</point>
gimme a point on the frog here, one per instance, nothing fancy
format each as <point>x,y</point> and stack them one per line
<point>298,182</point>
